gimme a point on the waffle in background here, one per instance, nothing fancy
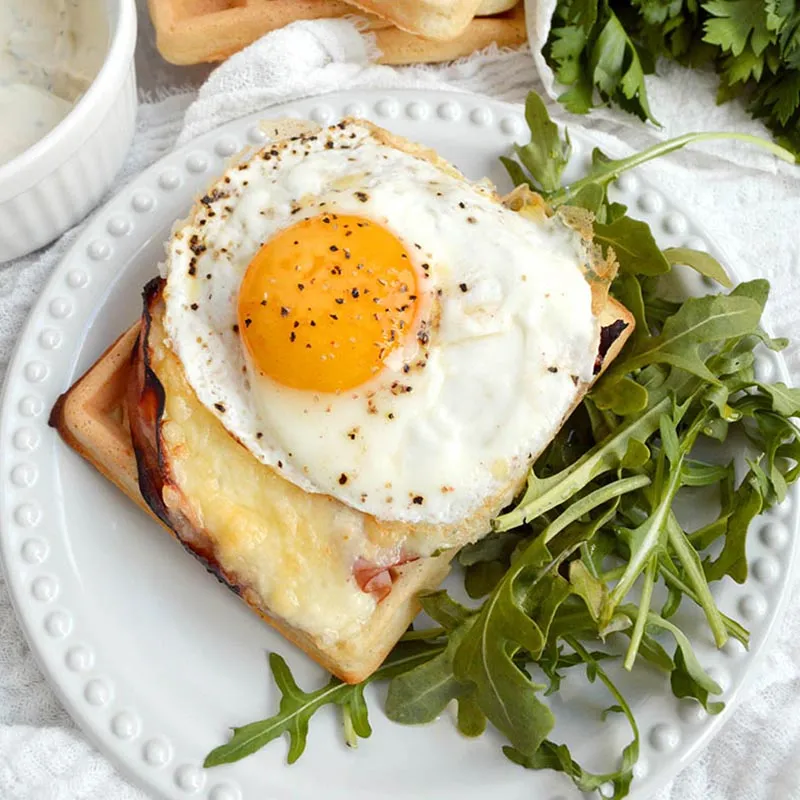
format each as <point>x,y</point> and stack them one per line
<point>442,20</point>
<point>196,31</point>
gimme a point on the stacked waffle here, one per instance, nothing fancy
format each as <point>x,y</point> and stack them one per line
<point>407,31</point>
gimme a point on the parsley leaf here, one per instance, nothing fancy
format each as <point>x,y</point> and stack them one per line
<point>735,24</point>
<point>601,50</point>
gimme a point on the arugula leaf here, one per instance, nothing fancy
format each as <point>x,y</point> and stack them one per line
<point>589,587</point>
<point>440,607</point>
<point>699,320</point>
<point>297,707</point>
<point>515,171</point>
<point>696,473</point>
<point>637,455</point>
<point>554,660</point>
<point>627,289</point>
<point>542,494</point>
<point>692,680</point>
<point>493,547</point>
<point>593,198</point>
<point>757,290</point>
<point>557,756</point>
<point>785,400</point>
<point>614,709</point>
<point>674,593</point>
<point>650,562</point>
<point>421,694</point>
<point>480,661</point>
<point>623,396</point>
<point>776,345</point>
<point>517,617</point>
<point>702,262</point>
<point>608,170</point>
<point>481,578</point>
<point>685,684</point>
<point>697,582</point>
<point>733,558</point>
<point>471,720</point>
<point>485,658</point>
<point>633,244</point>
<point>646,541</point>
<point>673,582</point>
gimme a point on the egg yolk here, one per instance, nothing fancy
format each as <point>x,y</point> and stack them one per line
<point>324,302</point>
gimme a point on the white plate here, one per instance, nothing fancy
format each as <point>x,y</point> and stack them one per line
<point>154,658</point>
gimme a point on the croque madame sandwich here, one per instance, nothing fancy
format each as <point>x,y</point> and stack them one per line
<point>346,369</point>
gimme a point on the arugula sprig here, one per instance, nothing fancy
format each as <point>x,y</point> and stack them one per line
<point>297,706</point>
<point>569,575</point>
<point>541,165</point>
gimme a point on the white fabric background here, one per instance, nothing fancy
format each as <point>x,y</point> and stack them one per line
<point>747,202</point>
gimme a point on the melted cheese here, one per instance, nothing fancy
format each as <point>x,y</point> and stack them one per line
<point>294,550</point>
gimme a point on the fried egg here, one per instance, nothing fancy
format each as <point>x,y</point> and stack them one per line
<point>376,328</point>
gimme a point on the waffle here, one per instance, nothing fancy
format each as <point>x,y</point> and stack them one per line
<point>92,418</point>
<point>195,31</point>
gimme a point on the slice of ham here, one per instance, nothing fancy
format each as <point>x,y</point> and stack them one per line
<point>375,579</point>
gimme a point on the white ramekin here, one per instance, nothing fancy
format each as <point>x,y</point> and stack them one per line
<point>58,180</point>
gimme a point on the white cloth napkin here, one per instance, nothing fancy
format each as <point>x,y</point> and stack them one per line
<point>750,205</point>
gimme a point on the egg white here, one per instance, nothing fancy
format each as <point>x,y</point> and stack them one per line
<point>511,332</point>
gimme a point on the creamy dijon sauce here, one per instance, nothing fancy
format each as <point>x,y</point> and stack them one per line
<point>50,51</point>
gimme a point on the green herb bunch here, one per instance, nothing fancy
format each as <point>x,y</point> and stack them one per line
<point>602,49</point>
<point>595,527</point>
